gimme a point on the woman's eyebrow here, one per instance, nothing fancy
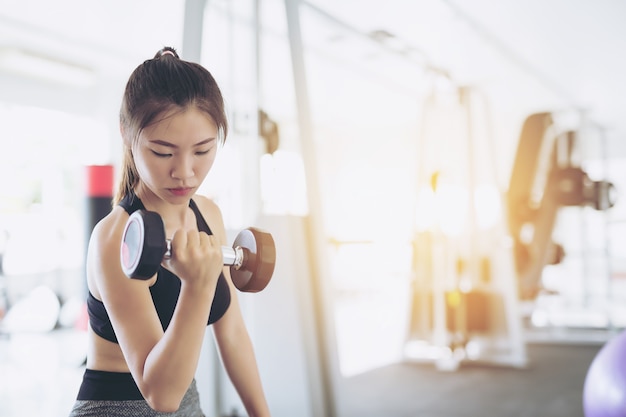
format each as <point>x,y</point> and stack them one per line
<point>204,142</point>
<point>163,143</point>
<point>171,145</point>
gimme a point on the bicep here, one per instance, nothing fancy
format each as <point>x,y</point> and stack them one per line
<point>128,302</point>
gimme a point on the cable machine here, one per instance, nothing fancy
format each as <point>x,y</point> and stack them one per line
<point>464,301</point>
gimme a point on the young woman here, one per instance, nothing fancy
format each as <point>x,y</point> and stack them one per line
<point>145,336</point>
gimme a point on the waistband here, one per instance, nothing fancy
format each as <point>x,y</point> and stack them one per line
<point>105,385</point>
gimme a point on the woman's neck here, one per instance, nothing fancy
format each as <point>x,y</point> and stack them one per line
<point>176,215</point>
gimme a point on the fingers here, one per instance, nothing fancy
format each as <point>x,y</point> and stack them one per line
<point>191,243</point>
<point>205,240</point>
<point>179,242</point>
<point>195,255</point>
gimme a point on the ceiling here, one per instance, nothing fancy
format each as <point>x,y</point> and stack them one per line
<point>556,55</point>
<point>572,49</point>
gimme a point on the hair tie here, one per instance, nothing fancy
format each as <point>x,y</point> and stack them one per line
<point>165,51</point>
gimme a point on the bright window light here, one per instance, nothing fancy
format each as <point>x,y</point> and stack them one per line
<point>42,192</point>
<point>283,184</point>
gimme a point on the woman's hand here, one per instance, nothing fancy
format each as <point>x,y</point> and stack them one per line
<point>196,258</point>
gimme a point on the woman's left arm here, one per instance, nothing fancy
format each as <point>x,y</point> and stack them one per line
<point>237,354</point>
<point>232,337</point>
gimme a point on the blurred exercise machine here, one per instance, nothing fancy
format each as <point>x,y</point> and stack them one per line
<point>545,177</point>
<point>467,307</point>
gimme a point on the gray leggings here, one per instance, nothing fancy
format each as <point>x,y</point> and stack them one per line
<point>189,407</point>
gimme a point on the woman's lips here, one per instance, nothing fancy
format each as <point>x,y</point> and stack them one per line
<point>180,192</point>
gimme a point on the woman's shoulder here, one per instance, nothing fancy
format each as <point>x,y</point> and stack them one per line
<point>117,217</point>
<point>104,248</point>
<point>207,206</point>
<point>109,228</point>
<point>211,213</point>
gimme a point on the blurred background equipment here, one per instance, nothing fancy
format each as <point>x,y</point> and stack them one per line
<point>464,306</point>
<point>546,177</point>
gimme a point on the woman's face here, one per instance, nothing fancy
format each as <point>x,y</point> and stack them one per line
<point>174,155</point>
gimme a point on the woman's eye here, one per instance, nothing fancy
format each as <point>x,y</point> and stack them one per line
<point>162,155</point>
<point>203,152</point>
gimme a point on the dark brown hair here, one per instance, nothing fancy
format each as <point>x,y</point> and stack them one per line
<point>157,87</point>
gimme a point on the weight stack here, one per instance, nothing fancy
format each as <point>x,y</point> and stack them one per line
<point>99,193</point>
<point>99,196</point>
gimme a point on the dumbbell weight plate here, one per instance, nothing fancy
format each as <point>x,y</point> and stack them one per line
<point>259,260</point>
<point>143,244</point>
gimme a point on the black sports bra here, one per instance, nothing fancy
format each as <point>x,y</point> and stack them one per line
<point>165,290</point>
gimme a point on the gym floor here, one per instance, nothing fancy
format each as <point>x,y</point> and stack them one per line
<point>551,385</point>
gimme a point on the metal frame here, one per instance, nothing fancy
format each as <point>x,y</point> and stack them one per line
<point>321,349</point>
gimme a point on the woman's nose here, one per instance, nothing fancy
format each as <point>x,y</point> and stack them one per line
<point>183,168</point>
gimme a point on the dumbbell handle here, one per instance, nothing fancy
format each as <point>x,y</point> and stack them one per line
<point>232,256</point>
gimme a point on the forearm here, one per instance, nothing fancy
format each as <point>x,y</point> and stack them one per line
<point>239,360</point>
<point>171,364</point>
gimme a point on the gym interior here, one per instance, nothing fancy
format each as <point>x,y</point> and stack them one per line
<point>443,181</point>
